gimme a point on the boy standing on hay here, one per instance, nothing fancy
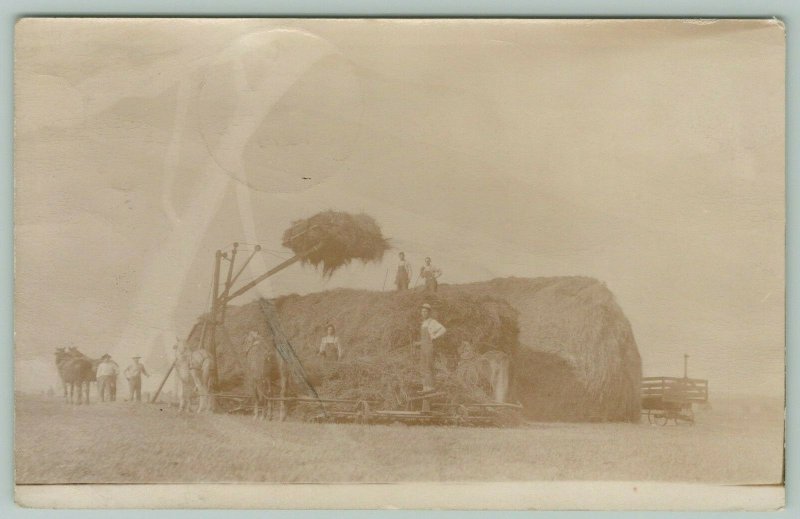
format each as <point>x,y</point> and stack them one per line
<point>430,330</point>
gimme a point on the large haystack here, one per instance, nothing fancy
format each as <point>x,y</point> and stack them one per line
<point>377,331</point>
<point>597,372</point>
<point>574,358</point>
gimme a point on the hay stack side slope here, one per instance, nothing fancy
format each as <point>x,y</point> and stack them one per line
<point>577,319</point>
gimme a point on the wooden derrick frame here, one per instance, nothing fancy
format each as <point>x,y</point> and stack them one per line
<point>220,301</point>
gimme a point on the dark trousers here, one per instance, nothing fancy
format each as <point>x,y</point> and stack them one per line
<point>431,284</point>
<point>107,387</point>
<point>402,280</point>
<point>426,360</point>
<point>135,385</point>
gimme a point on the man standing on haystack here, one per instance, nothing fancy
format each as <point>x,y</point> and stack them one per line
<point>430,330</point>
<point>431,275</point>
<point>134,374</point>
<point>403,277</point>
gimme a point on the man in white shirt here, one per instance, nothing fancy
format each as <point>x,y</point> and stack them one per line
<point>107,372</point>
<point>430,330</point>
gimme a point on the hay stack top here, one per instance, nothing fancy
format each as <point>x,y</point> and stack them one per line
<point>334,238</point>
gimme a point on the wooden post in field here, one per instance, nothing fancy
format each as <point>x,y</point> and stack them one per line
<point>212,345</point>
<point>163,381</point>
<point>228,282</point>
<point>685,366</point>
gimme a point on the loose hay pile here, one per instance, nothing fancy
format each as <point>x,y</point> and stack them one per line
<point>377,331</point>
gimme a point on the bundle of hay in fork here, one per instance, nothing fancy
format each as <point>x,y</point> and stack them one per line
<point>333,239</point>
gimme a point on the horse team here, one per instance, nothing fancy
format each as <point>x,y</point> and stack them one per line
<point>77,372</point>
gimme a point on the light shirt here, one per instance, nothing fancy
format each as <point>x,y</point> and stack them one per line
<point>433,328</point>
<point>135,370</point>
<point>429,271</point>
<point>107,369</point>
<point>323,345</point>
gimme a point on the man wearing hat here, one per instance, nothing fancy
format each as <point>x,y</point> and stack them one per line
<point>430,330</point>
<point>134,374</point>
<point>107,372</point>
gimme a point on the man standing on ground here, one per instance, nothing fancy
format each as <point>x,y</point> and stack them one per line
<point>431,275</point>
<point>107,372</point>
<point>134,374</point>
<point>430,330</point>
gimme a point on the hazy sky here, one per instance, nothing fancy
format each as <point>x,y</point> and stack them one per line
<point>647,154</point>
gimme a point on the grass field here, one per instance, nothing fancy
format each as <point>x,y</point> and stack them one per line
<point>137,443</point>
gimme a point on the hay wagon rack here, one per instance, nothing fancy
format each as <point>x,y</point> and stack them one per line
<point>430,409</point>
<point>672,398</point>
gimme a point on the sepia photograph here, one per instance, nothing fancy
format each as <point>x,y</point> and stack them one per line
<point>531,258</point>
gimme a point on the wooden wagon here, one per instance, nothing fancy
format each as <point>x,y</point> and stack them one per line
<point>672,398</point>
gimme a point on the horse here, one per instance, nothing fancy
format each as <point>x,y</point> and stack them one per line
<point>193,368</point>
<point>263,369</point>
<point>490,368</point>
<point>77,371</point>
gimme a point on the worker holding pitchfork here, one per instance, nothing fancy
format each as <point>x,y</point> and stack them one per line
<point>430,330</point>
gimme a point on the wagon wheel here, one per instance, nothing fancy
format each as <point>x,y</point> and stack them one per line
<point>688,415</point>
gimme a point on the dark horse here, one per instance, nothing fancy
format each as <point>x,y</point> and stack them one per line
<point>77,371</point>
<point>264,369</point>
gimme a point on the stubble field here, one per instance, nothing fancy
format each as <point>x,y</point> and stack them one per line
<point>125,442</point>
